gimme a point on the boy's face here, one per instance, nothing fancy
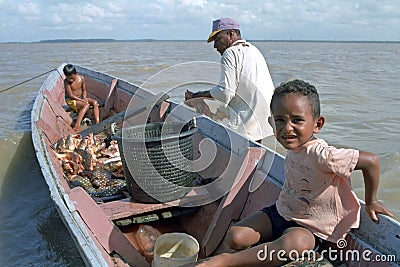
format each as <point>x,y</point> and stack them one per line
<point>293,120</point>
<point>70,78</point>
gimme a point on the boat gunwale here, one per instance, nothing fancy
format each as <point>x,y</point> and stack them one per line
<point>91,255</point>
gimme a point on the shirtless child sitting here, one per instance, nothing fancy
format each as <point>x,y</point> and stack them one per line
<point>75,95</point>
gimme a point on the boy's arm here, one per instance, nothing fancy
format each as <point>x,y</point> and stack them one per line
<point>84,92</point>
<point>370,166</point>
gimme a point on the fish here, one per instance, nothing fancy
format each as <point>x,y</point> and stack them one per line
<point>69,155</point>
<point>88,163</point>
<point>87,159</point>
<point>82,144</point>
<point>69,143</point>
<point>102,189</point>
<point>112,166</point>
<point>71,167</point>
<point>110,151</point>
<point>101,174</point>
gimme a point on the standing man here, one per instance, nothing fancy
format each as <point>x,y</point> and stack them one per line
<point>245,84</point>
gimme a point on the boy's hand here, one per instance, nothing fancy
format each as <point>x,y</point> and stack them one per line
<point>376,207</point>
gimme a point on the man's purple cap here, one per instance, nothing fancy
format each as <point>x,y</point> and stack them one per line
<point>222,24</point>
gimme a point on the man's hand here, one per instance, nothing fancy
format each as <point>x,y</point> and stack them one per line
<point>376,207</point>
<point>199,105</point>
<point>188,95</point>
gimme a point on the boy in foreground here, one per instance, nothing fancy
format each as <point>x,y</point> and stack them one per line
<point>316,201</point>
<point>75,95</point>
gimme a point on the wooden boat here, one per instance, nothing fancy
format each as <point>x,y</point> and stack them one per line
<point>105,231</point>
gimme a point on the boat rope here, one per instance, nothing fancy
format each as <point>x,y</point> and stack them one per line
<point>44,73</point>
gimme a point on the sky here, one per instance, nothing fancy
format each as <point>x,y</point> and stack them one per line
<point>340,20</point>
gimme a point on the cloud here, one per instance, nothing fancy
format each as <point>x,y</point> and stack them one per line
<point>29,20</point>
<point>193,3</point>
<point>28,9</point>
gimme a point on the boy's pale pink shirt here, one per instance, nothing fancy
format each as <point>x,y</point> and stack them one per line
<point>317,191</point>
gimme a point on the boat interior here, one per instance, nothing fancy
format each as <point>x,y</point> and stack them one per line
<point>251,175</point>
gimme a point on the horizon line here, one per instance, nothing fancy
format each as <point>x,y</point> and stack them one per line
<point>92,40</point>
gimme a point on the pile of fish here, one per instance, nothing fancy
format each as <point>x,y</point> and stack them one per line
<point>93,163</point>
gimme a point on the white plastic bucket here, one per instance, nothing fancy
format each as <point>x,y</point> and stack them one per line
<point>186,252</point>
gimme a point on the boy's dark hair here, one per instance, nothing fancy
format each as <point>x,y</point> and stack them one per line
<point>301,88</point>
<point>69,69</point>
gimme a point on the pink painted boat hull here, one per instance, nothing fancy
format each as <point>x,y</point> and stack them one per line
<point>96,227</point>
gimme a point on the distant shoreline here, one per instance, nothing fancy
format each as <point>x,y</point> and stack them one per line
<point>155,40</point>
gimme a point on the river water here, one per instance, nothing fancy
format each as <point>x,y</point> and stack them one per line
<point>358,85</point>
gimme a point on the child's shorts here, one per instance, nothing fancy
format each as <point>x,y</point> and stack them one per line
<point>280,224</point>
<point>71,103</point>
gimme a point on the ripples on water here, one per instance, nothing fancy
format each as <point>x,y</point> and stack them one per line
<point>31,233</point>
<point>358,85</point>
